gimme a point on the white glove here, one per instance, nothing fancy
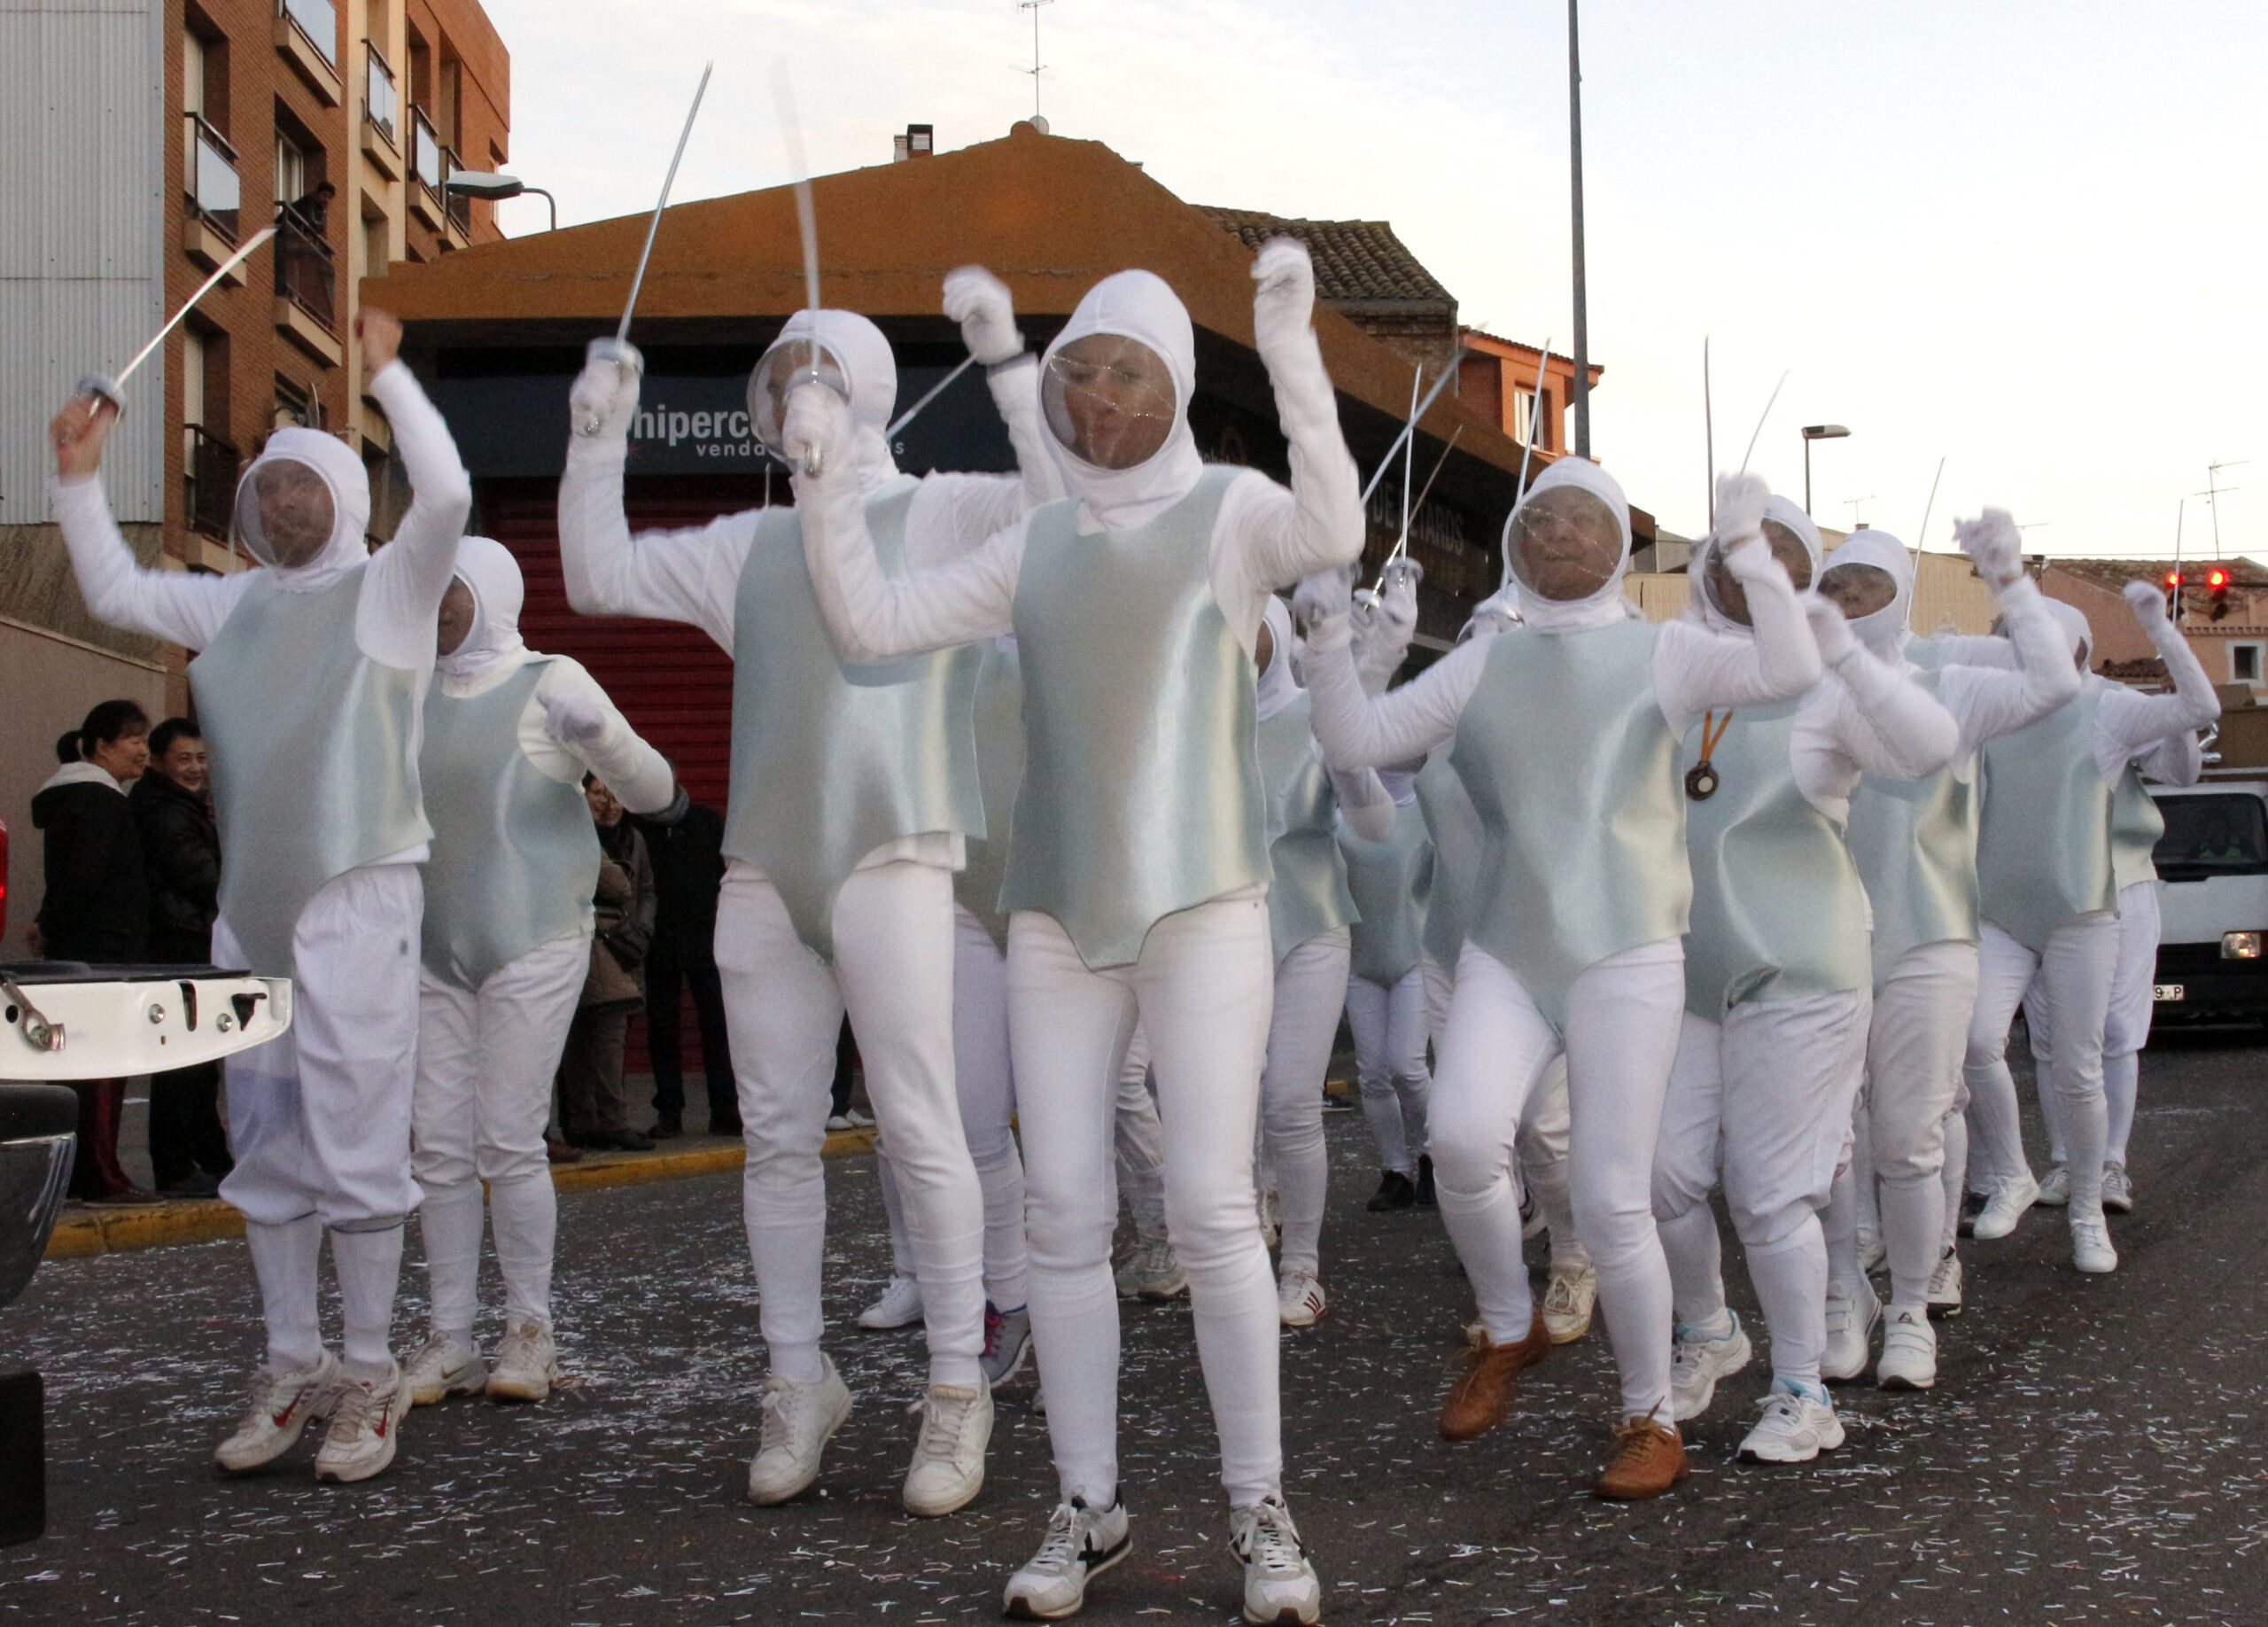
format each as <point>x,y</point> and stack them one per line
<point>982,304</point>
<point>605,399</point>
<point>1321,604</point>
<point>572,718</point>
<point>1283,307</point>
<point>1829,630</point>
<point>1740,513</point>
<point>1993,545</point>
<point>2147,599</point>
<point>1382,638</point>
<point>815,429</point>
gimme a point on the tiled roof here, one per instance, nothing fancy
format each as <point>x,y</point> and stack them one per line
<point>2116,573</point>
<point>1356,261</point>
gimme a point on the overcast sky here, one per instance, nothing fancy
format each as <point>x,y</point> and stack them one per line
<point>2023,236</point>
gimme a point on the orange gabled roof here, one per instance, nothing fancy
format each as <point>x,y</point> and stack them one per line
<point>1049,215</point>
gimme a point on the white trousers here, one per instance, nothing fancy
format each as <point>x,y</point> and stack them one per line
<point>2126,1025</point>
<point>485,1063</point>
<point>893,972</point>
<point>1622,1016</point>
<point>1311,987</point>
<point>1541,1142</point>
<point>2075,974</point>
<point>1390,1029</point>
<point>1767,1093</point>
<point>986,1084</point>
<point>1201,991</point>
<point>1138,1144</point>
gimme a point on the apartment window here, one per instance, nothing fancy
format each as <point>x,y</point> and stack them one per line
<point>205,70</point>
<point>209,176</point>
<point>381,102</point>
<point>2245,663</point>
<point>318,20</point>
<point>377,244</point>
<point>291,169</point>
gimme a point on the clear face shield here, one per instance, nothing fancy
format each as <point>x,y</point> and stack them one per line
<point>1109,399</point>
<point>1729,595</point>
<point>285,512</point>
<point>1564,544</point>
<point>789,362</point>
<point>1857,589</point>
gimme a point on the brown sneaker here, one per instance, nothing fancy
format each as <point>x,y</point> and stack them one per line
<point>1481,1398</point>
<point>1649,1458</point>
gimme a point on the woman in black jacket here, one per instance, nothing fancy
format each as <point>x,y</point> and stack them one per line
<point>97,906</point>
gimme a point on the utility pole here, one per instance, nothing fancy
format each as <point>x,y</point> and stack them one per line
<point>1582,385</point>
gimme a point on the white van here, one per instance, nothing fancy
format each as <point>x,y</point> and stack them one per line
<point>2213,860</point>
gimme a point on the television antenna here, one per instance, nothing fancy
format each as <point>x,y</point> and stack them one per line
<point>2214,491</point>
<point>1037,67</point>
<point>1853,503</point>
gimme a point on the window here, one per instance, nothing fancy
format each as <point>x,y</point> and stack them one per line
<point>377,251</point>
<point>2219,833</point>
<point>291,169</point>
<point>2245,663</point>
<point>318,20</point>
<point>381,103</point>
<point>192,376</point>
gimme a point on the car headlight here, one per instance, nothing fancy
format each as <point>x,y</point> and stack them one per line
<point>2240,946</point>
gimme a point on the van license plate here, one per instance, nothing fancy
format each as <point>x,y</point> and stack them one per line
<point>2168,991</point>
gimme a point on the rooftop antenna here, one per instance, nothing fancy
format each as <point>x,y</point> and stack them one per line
<point>1037,67</point>
<point>2212,495</point>
<point>1853,503</point>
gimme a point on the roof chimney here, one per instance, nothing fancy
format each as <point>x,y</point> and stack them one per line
<point>920,141</point>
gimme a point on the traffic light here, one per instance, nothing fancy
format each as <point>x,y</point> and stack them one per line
<point>2173,594</point>
<point>2216,580</point>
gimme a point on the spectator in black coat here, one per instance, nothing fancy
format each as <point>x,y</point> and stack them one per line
<point>181,844</point>
<point>97,906</point>
<point>688,860</point>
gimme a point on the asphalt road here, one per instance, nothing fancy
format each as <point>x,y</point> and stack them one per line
<point>2097,1450</point>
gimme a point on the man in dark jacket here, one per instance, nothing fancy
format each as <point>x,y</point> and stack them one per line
<point>180,848</point>
<point>688,864</point>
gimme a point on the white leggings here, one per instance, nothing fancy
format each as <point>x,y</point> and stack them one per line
<point>1201,991</point>
<point>2126,1026</point>
<point>1772,1085</point>
<point>1390,1030</point>
<point>1310,987</point>
<point>1622,1016</point>
<point>485,1061</point>
<point>2075,976</point>
<point>894,972</point>
<point>986,1086</point>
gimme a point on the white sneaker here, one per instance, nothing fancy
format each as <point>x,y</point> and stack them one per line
<point>2118,1189</point>
<point>283,1400</point>
<point>2009,1200</point>
<point>947,1466</point>
<point>900,1305</point>
<point>441,1367</point>
<point>527,1364</point>
<point>1272,1221</point>
<point>364,1426</point>
<point>2055,1191</point>
<point>1081,1543</point>
<point>799,1420</point>
<point>837,1123</point>
<point>1697,1362</point>
<point>1850,1328</point>
<point>1299,1299</point>
<point>2090,1249</point>
<point>1280,1584</point>
<point>1568,1300</point>
<point>1795,1428</point>
<point>1152,1272</point>
<point>1909,1350</point>
<point>1945,1286</point>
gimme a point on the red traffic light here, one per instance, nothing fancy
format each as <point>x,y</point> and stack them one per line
<point>2217,579</point>
<point>2173,578</point>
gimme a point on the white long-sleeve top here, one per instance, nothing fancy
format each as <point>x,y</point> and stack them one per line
<point>637,773</point>
<point>1867,717</point>
<point>402,584</point>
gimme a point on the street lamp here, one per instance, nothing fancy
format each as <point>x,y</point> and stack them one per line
<point>1817,432</point>
<point>496,188</point>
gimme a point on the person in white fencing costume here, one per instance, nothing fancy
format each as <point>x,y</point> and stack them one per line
<point>1139,867</point>
<point>1453,824</point>
<point>1564,733</point>
<point>1915,841</point>
<point>1309,910</point>
<point>851,792</point>
<point>1778,983</point>
<point>309,684</point>
<point>2066,830</point>
<point>509,735</point>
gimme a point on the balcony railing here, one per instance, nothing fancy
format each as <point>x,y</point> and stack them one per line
<point>429,160</point>
<point>460,206</point>
<point>209,468</point>
<point>305,271</point>
<point>381,102</point>
<point>212,184</point>
<point>318,21</point>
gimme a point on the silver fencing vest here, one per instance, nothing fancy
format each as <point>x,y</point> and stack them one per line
<point>516,856</point>
<point>1391,881</point>
<point>313,774</point>
<point>2043,844</point>
<point>1778,910</point>
<point>1141,792</point>
<point>1915,844</point>
<point>999,770</point>
<point>1309,895</point>
<point>1573,771</point>
<point>1453,825</point>
<point>2135,827</point>
<point>832,759</point>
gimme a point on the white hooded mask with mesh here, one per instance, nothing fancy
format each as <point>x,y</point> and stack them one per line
<point>303,509</point>
<point>1884,632</point>
<point>493,577</point>
<point>853,358</point>
<point>1136,306</point>
<point>1576,494</point>
<point>1783,520</point>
